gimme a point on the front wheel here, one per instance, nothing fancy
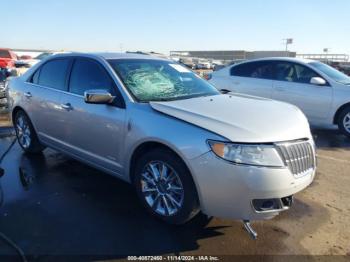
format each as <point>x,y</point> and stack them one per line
<point>165,187</point>
<point>25,133</point>
<point>344,121</point>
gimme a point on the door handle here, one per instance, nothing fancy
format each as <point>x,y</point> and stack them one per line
<point>67,106</point>
<point>28,94</point>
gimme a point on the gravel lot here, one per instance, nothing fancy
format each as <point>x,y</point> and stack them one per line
<point>58,206</point>
<point>4,121</point>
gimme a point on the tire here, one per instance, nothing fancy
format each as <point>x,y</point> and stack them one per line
<point>344,121</point>
<point>26,135</point>
<point>172,197</point>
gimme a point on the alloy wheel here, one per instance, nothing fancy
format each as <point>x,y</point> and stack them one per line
<point>162,188</point>
<point>346,122</point>
<point>23,131</point>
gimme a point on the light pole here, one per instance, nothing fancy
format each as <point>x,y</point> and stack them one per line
<point>325,51</point>
<point>288,41</point>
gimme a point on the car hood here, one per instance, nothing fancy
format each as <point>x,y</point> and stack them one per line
<point>240,118</point>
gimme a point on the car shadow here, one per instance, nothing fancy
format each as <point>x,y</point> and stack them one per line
<point>54,205</point>
<point>57,208</point>
<point>330,138</point>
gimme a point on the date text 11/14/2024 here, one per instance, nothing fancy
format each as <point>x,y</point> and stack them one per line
<point>173,258</point>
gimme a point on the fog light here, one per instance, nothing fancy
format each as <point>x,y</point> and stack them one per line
<point>272,204</point>
<point>267,204</point>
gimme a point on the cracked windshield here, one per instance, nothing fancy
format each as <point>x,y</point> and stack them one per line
<point>154,80</point>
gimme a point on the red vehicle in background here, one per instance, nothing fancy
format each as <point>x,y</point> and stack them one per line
<point>7,58</point>
<point>26,57</point>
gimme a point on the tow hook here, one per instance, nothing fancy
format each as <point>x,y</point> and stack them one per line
<point>250,230</point>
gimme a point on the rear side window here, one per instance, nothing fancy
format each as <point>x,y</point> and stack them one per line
<point>35,77</point>
<point>88,74</point>
<point>53,74</point>
<point>263,70</point>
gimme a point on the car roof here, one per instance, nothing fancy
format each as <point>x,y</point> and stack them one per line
<point>287,59</point>
<point>107,56</point>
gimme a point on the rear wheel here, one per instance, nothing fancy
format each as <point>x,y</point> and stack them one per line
<point>165,187</point>
<point>344,121</point>
<point>25,133</point>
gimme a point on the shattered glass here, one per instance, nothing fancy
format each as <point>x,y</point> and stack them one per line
<point>157,80</point>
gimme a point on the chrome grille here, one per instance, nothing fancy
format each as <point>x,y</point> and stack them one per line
<point>299,156</point>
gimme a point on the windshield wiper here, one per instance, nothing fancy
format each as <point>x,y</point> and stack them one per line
<point>160,100</point>
<point>194,96</point>
<point>179,97</point>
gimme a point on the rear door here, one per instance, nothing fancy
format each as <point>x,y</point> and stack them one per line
<point>94,132</point>
<point>253,78</point>
<point>42,95</point>
<point>292,85</point>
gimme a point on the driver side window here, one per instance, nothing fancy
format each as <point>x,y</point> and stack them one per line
<point>304,74</point>
<point>291,72</point>
<point>87,75</point>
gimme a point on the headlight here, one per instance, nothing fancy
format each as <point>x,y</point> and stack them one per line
<point>246,154</point>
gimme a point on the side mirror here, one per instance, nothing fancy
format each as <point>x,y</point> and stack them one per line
<point>318,81</point>
<point>98,96</point>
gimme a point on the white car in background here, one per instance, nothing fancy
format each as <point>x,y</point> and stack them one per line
<point>201,65</point>
<point>320,91</point>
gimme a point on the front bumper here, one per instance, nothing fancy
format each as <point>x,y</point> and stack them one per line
<point>2,93</point>
<point>227,190</point>
<point>2,89</point>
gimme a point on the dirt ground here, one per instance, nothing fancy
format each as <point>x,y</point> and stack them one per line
<point>317,224</point>
<point>4,120</point>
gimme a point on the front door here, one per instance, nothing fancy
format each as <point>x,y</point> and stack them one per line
<point>94,132</point>
<point>293,85</point>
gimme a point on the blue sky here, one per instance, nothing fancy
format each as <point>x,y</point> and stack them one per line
<point>162,25</point>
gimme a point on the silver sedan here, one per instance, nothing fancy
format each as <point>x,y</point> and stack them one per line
<point>151,122</point>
